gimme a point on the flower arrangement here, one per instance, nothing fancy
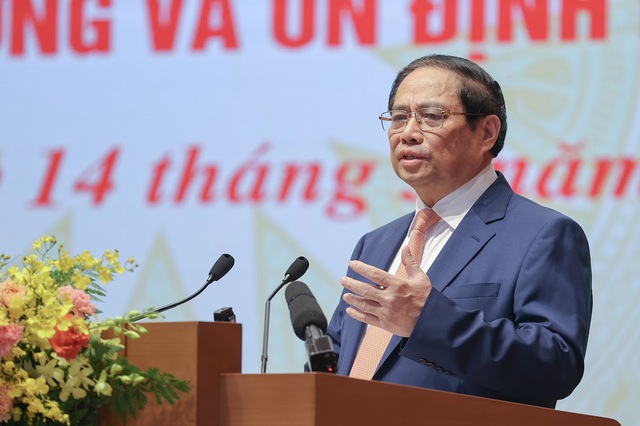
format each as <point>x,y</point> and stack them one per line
<point>57,365</point>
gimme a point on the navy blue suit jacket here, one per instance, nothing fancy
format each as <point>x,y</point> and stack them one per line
<point>509,312</point>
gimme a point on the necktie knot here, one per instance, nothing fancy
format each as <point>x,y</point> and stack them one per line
<point>425,219</point>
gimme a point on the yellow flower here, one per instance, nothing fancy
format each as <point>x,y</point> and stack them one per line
<point>32,262</point>
<point>44,326</point>
<point>115,369</point>
<point>66,262</point>
<point>87,260</point>
<point>16,414</point>
<point>17,306</point>
<point>50,371</point>
<point>137,379</point>
<point>47,241</point>
<point>8,367</point>
<point>111,256</point>
<point>125,379</point>
<point>104,274</point>
<point>102,387</point>
<point>76,392</point>
<point>81,371</point>
<point>36,378</point>
<point>71,387</point>
<point>35,406</point>
<point>16,274</point>
<point>36,386</point>
<point>80,281</point>
<point>15,392</point>
<point>53,411</point>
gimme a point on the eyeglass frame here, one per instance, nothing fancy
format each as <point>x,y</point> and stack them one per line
<point>445,113</point>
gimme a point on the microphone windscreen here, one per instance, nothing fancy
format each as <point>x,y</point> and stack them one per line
<point>221,267</point>
<point>297,269</point>
<point>303,309</point>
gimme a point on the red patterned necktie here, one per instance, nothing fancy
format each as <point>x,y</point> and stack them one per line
<point>376,340</point>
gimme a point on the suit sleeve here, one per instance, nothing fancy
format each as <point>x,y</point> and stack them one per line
<point>335,327</point>
<point>537,350</point>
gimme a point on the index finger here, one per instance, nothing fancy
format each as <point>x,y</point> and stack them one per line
<point>378,276</point>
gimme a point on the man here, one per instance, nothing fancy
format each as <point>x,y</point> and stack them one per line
<point>504,308</point>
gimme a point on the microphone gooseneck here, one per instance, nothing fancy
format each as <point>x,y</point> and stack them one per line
<point>219,269</point>
<point>295,271</point>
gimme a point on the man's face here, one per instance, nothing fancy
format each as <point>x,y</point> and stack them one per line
<point>435,163</point>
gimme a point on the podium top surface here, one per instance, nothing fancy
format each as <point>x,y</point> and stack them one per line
<point>327,399</point>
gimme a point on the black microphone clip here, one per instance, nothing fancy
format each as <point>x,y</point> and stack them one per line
<point>322,356</point>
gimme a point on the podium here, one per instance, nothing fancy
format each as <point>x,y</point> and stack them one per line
<point>324,399</point>
<point>209,356</point>
<point>195,351</point>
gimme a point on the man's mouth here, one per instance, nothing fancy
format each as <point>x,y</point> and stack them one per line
<point>410,156</point>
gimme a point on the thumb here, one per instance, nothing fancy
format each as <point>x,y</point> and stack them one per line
<point>409,262</point>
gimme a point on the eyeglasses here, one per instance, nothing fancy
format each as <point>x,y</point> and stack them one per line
<point>429,118</point>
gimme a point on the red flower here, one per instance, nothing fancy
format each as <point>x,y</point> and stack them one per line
<point>68,343</point>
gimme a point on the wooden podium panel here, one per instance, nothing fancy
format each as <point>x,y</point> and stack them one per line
<point>311,399</point>
<point>209,356</point>
<point>194,351</point>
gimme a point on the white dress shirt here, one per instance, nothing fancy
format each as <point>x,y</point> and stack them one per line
<point>452,209</point>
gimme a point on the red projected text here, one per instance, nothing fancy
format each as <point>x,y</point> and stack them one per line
<point>188,176</point>
<point>97,180</point>
<point>39,19</point>
<point>197,179</point>
<point>215,21</point>
<point>86,26</point>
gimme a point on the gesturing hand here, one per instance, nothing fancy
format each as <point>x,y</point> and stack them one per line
<point>393,306</point>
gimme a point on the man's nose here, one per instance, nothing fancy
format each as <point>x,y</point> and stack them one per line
<point>411,128</point>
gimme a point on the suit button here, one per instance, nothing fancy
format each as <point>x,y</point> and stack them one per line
<point>430,364</point>
<point>439,370</point>
<point>422,361</point>
<point>447,373</point>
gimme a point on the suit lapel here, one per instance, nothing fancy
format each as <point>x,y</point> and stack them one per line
<point>468,239</point>
<point>472,234</point>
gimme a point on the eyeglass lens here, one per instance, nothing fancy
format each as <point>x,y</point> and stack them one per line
<point>429,118</point>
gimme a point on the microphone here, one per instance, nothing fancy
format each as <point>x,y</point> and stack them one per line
<point>295,271</point>
<point>310,324</point>
<point>218,270</point>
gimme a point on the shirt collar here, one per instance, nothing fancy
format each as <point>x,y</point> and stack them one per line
<point>454,206</point>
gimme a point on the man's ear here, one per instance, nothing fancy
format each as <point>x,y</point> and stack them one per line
<point>490,127</point>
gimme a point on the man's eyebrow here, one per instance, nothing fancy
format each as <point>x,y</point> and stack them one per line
<point>421,105</point>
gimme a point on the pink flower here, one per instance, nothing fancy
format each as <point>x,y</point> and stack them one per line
<point>81,301</point>
<point>10,335</point>
<point>69,343</point>
<point>6,404</point>
<point>9,290</point>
